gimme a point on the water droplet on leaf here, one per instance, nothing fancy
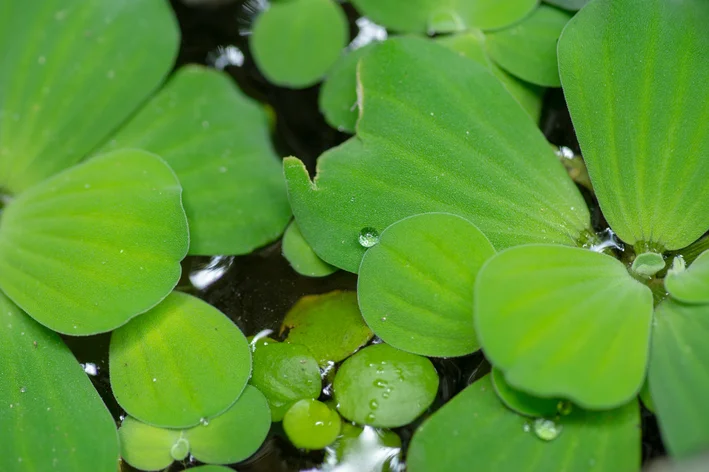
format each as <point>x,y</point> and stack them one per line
<point>546,429</point>
<point>368,237</point>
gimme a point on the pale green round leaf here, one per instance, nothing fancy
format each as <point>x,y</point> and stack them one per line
<point>383,386</point>
<point>647,264</point>
<point>180,363</point>
<point>690,285</point>
<point>70,73</point>
<point>523,403</point>
<point>311,424</point>
<point>565,322</point>
<point>437,133</point>
<point>475,431</point>
<point>93,246</point>
<point>284,373</point>
<point>294,43</point>
<point>234,435</point>
<point>415,287</point>
<point>51,416</point>
<point>444,16</point>
<point>634,76</point>
<point>528,49</point>
<point>679,376</point>
<point>301,256</point>
<point>147,447</point>
<point>329,325</point>
<point>217,141</point>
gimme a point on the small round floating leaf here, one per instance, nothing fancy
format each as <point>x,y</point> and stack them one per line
<point>301,256</point>
<point>285,373</point>
<point>329,325</point>
<point>523,403</point>
<point>83,68</point>
<point>147,447</point>
<point>311,424</point>
<point>236,434</point>
<point>679,376</point>
<point>528,49</point>
<point>566,322</point>
<point>690,285</point>
<point>295,43</point>
<point>639,110</point>
<point>93,246</point>
<point>383,386</point>
<point>181,362</point>
<point>51,416</point>
<point>415,286</point>
<point>648,264</point>
<point>475,431</point>
<point>217,141</point>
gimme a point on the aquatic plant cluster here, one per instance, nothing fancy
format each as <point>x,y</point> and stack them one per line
<point>468,231</point>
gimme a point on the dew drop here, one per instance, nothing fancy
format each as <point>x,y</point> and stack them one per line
<point>546,429</point>
<point>368,237</point>
<point>204,421</point>
<point>373,404</point>
<point>526,427</point>
<point>23,389</point>
<point>564,407</point>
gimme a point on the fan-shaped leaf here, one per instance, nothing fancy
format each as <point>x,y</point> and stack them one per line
<point>634,74</point>
<point>565,322</point>
<point>437,132</point>
<point>93,246</point>
<point>690,285</point>
<point>82,68</point>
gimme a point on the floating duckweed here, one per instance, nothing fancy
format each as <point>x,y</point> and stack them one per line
<point>368,237</point>
<point>546,429</point>
<point>564,407</point>
<point>180,449</point>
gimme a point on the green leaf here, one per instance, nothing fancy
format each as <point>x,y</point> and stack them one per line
<point>437,133</point>
<point>301,256</point>
<point>338,94</point>
<point>147,447</point>
<point>689,285</point>
<point>329,325</point>
<point>217,141</point>
<point>311,424</point>
<point>284,373</point>
<point>565,322</point>
<point>645,396</point>
<point>634,75</point>
<point>236,434</point>
<point>295,43</point>
<point>212,468</point>
<point>52,417</point>
<point>679,376</point>
<point>181,363</point>
<point>415,285</point>
<point>93,246</point>
<point>528,48</point>
<point>523,403</point>
<point>572,5</point>
<point>383,386</point>
<point>647,264</point>
<point>83,68</point>
<point>443,16</point>
<point>475,431</point>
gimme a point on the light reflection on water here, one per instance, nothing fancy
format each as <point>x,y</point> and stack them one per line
<point>369,32</point>
<point>213,271</point>
<point>365,453</point>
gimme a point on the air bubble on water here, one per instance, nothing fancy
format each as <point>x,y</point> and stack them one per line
<point>23,389</point>
<point>368,237</point>
<point>546,429</point>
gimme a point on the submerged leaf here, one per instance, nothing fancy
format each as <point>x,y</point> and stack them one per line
<point>301,256</point>
<point>147,447</point>
<point>51,416</point>
<point>522,403</point>
<point>634,75</point>
<point>95,245</point>
<point>566,322</point>
<point>689,285</point>
<point>71,72</point>
<point>437,133</point>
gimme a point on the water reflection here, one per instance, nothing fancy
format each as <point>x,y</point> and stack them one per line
<point>213,271</point>
<point>226,56</point>
<point>371,450</point>
<point>369,32</point>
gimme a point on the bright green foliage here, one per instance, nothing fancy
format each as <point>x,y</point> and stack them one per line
<point>523,403</point>
<point>648,264</point>
<point>383,386</point>
<point>51,416</point>
<point>338,94</point>
<point>679,376</point>
<point>311,424</point>
<point>301,256</point>
<point>147,447</point>
<point>284,373</point>
<point>689,285</point>
<point>572,5</point>
<point>646,396</point>
<point>639,110</point>
<point>329,325</point>
<point>567,322</point>
<point>217,141</point>
<point>528,48</point>
<point>65,89</point>
<point>415,285</point>
<point>437,132</point>
<point>443,16</point>
<point>475,431</point>
<point>74,246</point>
<point>178,364</point>
<point>294,43</point>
